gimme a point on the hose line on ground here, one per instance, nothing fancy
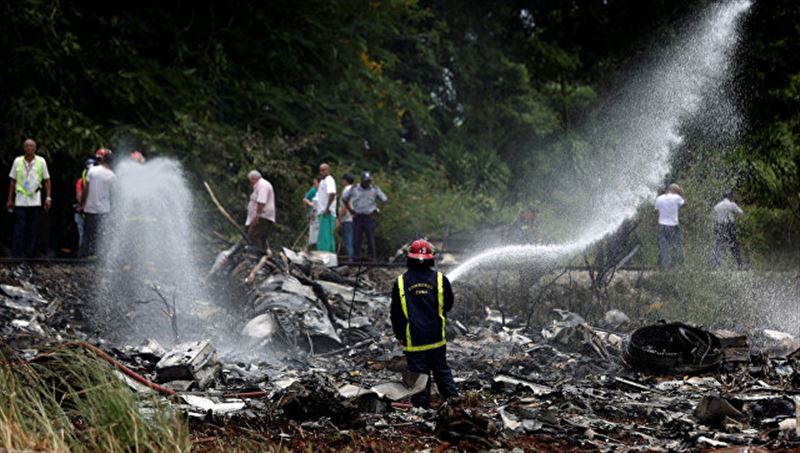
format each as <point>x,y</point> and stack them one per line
<point>160,388</point>
<point>136,376</point>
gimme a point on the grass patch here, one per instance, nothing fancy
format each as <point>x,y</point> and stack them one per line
<point>72,401</point>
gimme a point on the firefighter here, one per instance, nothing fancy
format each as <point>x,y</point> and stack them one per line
<point>421,298</point>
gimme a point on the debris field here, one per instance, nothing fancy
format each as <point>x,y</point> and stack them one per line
<point>317,367</point>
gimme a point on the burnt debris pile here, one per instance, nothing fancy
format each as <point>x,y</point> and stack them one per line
<point>312,359</point>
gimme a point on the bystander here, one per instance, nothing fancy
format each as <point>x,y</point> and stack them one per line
<point>326,210</point>
<point>346,218</point>
<point>669,233</point>
<point>28,176</point>
<point>260,211</point>
<point>96,200</point>
<point>725,213</point>
<point>362,203</point>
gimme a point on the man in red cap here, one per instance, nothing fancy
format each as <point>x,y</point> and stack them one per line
<point>421,298</point>
<point>138,157</point>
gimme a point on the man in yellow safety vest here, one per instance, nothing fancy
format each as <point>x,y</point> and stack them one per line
<point>28,177</point>
<point>421,298</point>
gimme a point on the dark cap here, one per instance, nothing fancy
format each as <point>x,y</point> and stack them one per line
<point>366,176</point>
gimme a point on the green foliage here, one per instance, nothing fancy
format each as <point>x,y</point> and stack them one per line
<point>477,101</point>
<point>775,170</point>
<point>773,153</point>
<point>424,205</point>
<point>478,171</point>
<point>770,237</point>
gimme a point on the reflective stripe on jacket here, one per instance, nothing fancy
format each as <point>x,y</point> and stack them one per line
<point>20,182</point>
<point>421,299</point>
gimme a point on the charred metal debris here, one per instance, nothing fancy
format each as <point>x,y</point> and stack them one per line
<point>315,356</point>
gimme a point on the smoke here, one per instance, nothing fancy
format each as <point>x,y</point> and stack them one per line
<point>634,136</point>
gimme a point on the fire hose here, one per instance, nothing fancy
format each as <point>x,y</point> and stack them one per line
<point>152,385</point>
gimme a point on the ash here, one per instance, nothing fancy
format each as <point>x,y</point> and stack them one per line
<point>310,360</point>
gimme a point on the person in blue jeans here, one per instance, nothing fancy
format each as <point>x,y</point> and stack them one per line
<point>421,299</point>
<point>346,218</point>
<point>668,206</point>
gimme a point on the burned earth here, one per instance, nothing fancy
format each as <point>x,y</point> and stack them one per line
<point>312,365</point>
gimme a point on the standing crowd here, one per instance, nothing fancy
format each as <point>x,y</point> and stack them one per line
<point>354,214</point>
<point>29,176</point>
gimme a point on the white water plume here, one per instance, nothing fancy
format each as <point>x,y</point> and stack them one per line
<point>634,136</point>
<point>148,256</point>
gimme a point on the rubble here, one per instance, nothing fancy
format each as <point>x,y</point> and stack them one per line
<point>202,406</point>
<point>614,319</point>
<point>673,347</point>
<point>322,364</point>
<point>194,362</point>
<point>311,397</point>
<point>776,343</point>
<point>510,384</point>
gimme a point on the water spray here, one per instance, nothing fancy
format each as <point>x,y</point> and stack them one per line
<point>148,253</point>
<point>639,132</point>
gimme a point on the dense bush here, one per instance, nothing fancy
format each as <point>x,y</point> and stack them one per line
<point>471,108</point>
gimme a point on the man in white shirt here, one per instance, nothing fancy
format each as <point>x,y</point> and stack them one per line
<point>668,206</point>
<point>326,210</point>
<point>260,211</point>
<point>96,199</point>
<point>27,177</point>
<point>725,213</point>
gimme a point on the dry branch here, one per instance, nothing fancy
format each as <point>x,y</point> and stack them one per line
<point>225,213</point>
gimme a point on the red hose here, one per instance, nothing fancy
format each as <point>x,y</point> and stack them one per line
<point>141,379</point>
<point>127,371</point>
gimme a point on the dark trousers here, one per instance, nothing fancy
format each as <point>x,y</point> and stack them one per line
<point>427,362</point>
<point>669,237</point>
<point>725,234</point>
<point>364,224</point>
<point>258,233</point>
<point>347,239</point>
<point>26,231</point>
<point>91,235</point>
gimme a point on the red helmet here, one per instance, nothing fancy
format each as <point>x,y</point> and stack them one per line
<point>102,153</point>
<point>421,250</point>
<point>137,156</point>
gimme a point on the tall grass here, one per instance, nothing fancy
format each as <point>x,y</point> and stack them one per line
<point>72,401</point>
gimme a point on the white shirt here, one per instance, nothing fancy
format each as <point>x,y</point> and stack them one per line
<point>101,183</point>
<point>262,193</point>
<point>726,211</point>
<point>347,217</point>
<point>668,206</point>
<point>326,187</point>
<point>30,179</point>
